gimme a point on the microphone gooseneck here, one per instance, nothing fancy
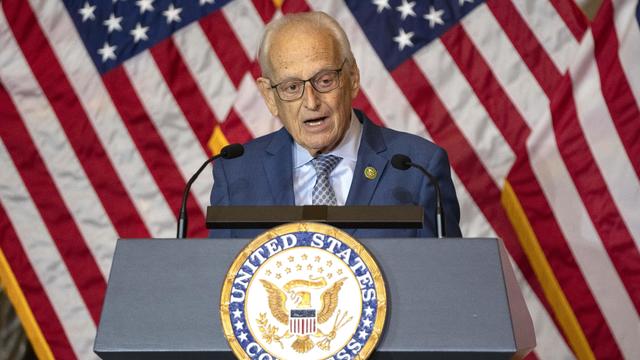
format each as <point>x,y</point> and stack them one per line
<point>403,162</point>
<point>228,152</point>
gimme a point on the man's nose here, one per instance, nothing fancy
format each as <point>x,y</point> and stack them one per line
<point>310,97</point>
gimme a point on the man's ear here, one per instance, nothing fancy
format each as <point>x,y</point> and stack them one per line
<point>269,96</point>
<point>354,80</point>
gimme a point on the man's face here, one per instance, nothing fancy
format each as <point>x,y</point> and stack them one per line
<point>317,121</point>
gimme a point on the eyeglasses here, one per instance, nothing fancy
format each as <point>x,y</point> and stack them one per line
<point>322,82</point>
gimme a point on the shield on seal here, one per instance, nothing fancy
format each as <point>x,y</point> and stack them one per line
<point>302,321</point>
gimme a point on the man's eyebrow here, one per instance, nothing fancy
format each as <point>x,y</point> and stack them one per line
<point>292,78</point>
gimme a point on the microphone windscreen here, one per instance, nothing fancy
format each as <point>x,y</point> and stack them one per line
<point>232,151</point>
<point>401,162</point>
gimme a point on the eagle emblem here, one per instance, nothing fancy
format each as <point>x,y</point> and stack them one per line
<point>303,291</point>
<point>303,318</point>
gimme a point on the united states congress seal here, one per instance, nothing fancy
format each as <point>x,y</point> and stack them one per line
<point>303,291</point>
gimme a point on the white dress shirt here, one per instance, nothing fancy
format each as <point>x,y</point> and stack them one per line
<point>304,174</point>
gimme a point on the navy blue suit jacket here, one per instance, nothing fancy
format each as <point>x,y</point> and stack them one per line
<point>263,176</point>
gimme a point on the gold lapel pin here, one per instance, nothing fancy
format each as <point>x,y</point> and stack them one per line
<point>370,172</point>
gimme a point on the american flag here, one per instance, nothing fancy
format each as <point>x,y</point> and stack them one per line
<point>107,107</point>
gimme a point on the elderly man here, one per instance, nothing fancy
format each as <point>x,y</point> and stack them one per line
<point>326,153</point>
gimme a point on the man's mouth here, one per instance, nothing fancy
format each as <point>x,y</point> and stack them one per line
<point>315,121</point>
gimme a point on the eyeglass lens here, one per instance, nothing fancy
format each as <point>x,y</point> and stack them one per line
<point>322,82</point>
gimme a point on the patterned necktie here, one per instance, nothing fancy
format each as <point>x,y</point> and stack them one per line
<point>323,193</point>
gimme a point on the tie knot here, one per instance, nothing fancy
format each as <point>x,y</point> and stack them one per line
<point>324,164</point>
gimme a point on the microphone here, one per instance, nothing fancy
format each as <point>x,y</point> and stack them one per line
<point>403,162</point>
<point>227,152</point>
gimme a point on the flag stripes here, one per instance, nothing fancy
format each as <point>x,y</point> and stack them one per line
<point>247,24</point>
<point>485,86</point>
<point>546,75</point>
<point>114,131</point>
<point>396,109</point>
<point>505,105</point>
<point>528,47</point>
<point>554,295</point>
<point>547,25</point>
<point>169,121</point>
<point>124,156</point>
<point>537,108</point>
<point>32,306</point>
<point>226,45</point>
<point>208,73</point>
<point>627,31</point>
<point>184,89</point>
<point>47,263</point>
<point>468,114</point>
<point>601,208</point>
<point>59,221</point>
<point>71,116</point>
<point>616,89</point>
<point>572,16</point>
<point>150,145</point>
<point>523,93</point>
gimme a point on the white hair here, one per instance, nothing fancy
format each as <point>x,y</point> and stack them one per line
<point>315,19</point>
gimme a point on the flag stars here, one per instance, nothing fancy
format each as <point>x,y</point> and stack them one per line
<point>406,9</point>
<point>108,52</point>
<point>243,337</point>
<point>87,12</point>
<point>368,311</point>
<point>434,17</point>
<point>236,313</point>
<point>113,23</point>
<point>404,39</point>
<point>145,5</point>
<point>382,5</point>
<point>462,2</point>
<point>139,33</point>
<point>172,14</point>
<point>203,2</point>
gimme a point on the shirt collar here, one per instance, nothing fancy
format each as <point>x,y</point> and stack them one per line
<point>347,149</point>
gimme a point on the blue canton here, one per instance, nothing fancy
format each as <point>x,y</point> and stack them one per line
<point>116,30</point>
<point>399,28</point>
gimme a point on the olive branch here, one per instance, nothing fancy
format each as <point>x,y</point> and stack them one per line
<point>270,332</point>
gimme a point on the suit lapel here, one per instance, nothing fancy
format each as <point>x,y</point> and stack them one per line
<point>369,155</point>
<point>278,167</point>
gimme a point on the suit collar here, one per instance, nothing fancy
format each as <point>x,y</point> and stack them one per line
<point>372,146</point>
<point>278,165</point>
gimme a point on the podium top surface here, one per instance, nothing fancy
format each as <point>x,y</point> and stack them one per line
<point>352,216</point>
<point>444,295</point>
